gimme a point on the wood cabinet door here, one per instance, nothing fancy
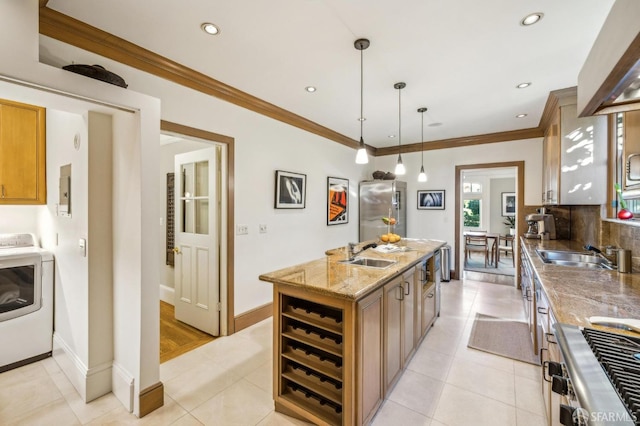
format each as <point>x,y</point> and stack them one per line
<point>551,161</point>
<point>370,368</point>
<point>408,316</point>
<point>393,294</point>
<point>428,306</point>
<point>22,154</point>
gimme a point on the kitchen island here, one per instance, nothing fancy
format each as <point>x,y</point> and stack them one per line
<point>343,333</point>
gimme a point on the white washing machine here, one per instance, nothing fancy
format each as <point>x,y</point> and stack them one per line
<point>26,301</point>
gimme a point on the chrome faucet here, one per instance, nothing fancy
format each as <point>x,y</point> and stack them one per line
<point>597,252</point>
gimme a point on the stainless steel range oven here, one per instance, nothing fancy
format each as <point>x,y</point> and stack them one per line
<point>599,377</point>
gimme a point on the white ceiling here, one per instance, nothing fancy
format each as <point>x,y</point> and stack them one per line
<point>460,58</point>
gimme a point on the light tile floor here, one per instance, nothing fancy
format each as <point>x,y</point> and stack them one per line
<point>228,381</point>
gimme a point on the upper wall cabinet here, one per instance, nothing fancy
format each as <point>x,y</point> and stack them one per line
<point>575,157</point>
<point>22,154</point>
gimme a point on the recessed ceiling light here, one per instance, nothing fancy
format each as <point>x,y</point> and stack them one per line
<point>523,85</point>
<point>521,115</point>
<point>310,89</point>
<point>210,28</point>
<point>391,136</point>
<point>531,19</point>
<point>435,124</point>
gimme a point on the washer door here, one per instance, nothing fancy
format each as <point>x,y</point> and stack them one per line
<point>20,286</point>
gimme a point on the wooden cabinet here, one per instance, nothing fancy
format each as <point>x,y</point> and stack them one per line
<point>429,288</point>
<point>399,325</point>
<point>551,161</point>
<point>574,157</point>
<point>22,154</point>
<point>631,150</point>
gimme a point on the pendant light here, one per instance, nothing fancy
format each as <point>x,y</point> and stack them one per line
<point>400,170</point>
<point>422,177</point>
<point>361,156</point>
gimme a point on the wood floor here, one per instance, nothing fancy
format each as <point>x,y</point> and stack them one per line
<point>177,338</point>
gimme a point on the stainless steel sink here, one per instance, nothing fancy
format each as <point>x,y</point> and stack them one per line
<point>369,262</point>
<point>574,258</point>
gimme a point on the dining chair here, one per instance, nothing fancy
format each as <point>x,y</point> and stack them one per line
<point>504,246</point>
<point>477,241</point>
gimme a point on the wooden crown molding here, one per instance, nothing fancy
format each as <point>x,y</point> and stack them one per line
<point>77,33</point>
<point>513,135</point>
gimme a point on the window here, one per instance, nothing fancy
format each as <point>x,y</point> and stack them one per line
<point>471,187</point>
<point>471,213</point>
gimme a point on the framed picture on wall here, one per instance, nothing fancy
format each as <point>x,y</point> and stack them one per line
<point>431,200</point>
<point>291,190</point>
<point>337,201</point>
<point>508,203</point>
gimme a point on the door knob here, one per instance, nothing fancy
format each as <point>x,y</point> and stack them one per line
<point>176,250</point>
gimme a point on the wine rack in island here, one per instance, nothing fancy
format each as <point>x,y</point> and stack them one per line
<point>311,357</point>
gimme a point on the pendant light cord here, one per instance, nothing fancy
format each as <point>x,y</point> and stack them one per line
<point>361,91</point>
<point>422,139</point>
<point>399,121</point>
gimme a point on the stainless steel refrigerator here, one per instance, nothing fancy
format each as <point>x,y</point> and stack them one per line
<point>377,199</point>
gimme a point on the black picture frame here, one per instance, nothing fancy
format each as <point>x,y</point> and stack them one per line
<point>431,199</point>
<point>337,201</point>
<point>508,204</point>
<point>291,189</point>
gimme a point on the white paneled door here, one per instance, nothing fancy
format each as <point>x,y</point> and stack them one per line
<point>197,278</point>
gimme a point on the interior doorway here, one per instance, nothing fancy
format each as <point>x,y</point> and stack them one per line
<point>178,141</point>
<point>479,205</point>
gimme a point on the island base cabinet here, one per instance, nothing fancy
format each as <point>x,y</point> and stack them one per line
<point>336,359</point>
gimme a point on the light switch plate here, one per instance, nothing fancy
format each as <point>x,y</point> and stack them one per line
<point>82,243</point>
<point>242,229</point>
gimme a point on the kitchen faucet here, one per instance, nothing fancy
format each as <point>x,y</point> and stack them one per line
<point>351,247</point>
<point>598,253</point>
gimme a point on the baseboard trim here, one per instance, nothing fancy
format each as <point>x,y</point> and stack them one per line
<point>123,386</point>
<point>151,399</point>
<point>167,294</point>
<point>254,316</point>
<point>91,383</point>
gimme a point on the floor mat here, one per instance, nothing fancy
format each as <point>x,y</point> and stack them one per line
<point>502,337</point>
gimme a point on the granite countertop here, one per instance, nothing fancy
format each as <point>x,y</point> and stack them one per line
<point>330,277</point>
<point>575,294</point>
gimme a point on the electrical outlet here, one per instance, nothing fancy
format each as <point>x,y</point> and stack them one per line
<point>262,228</point>
<point>242,230</point>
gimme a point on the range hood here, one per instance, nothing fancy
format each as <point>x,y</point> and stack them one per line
<point>609,80</point>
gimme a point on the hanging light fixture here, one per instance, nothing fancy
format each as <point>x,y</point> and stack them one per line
<point>422,177</point>
<point>400,170</point>
<point>361,156</point>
